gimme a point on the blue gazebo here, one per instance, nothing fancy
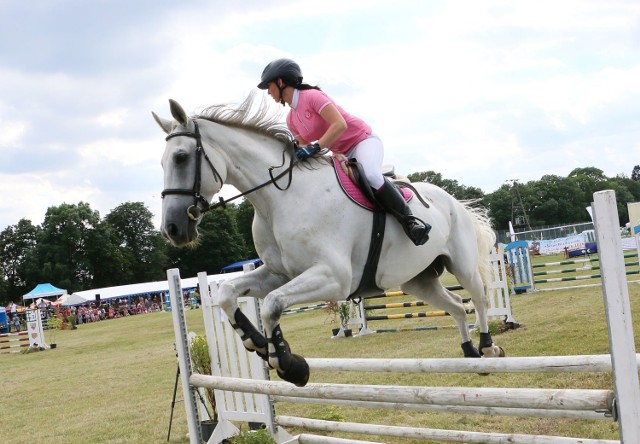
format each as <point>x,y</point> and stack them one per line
<point>43,291</point>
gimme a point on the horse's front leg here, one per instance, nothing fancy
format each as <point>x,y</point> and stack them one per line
<point>316,284</point>
<point>258,284</point>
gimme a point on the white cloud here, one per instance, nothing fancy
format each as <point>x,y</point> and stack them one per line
<point>28,196</point>
<point>113,118</point>
<point>11,133</point>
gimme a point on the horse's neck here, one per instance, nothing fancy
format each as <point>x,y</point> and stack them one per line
<point>249,159</point>
<point>291,192</point>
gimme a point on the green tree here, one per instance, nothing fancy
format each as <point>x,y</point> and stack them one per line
<point>74,249</point>
<point>244,217</point>
<point>453,187</point>
<point>626,191</point>
<point>141,248</point>
<point>16,241</point>
<point>499,205</point>
<point>555,200</point>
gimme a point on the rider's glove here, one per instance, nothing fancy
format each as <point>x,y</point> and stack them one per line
<point>308,151</point>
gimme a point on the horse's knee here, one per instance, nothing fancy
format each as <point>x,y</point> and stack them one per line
<point>227,297</point>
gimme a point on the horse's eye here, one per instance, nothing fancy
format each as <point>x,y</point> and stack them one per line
<point>181,157</point>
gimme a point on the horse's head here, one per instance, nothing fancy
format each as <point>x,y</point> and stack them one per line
<point>190,177</point>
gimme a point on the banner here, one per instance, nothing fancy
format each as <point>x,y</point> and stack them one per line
<point>555,246</point>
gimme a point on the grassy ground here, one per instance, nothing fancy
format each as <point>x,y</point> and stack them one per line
<point>112,382</point>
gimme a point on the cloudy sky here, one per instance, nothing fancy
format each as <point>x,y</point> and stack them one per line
<point>480,91</point>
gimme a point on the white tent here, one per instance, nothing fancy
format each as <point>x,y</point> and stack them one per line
<point>147,288</point>
<point>68,299</point>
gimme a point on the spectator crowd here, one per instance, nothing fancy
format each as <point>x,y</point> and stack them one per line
<point>88,312</point>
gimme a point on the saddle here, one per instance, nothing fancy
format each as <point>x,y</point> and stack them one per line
<point>354,183</point>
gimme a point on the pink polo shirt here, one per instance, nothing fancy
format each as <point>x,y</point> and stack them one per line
<point>304,120</point>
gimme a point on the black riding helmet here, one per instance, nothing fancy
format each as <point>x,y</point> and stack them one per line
<point>286,69</point>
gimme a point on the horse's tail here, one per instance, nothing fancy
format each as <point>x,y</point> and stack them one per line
<point>485,238</point>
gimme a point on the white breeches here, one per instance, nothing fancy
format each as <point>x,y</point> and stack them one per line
<point>369,153</point>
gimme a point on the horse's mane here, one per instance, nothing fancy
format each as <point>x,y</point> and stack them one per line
<point>254,114</point>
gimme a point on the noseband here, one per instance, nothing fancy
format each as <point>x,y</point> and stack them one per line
<point>200,205</point>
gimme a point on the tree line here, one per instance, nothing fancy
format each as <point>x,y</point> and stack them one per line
<point>75,249</point>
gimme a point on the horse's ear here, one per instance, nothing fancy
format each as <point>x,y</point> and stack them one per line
<point>165,124</point>
<point>178,113</point>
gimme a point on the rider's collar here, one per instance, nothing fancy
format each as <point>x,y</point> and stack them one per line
<point>294,101</point>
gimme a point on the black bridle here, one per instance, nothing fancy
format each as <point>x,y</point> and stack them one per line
<point>202,205</point>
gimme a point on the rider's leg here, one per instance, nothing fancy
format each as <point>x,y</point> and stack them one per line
<point>369,153</point>
<point>390,198</point>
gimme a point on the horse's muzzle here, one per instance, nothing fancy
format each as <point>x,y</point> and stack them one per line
<point>180,235</point>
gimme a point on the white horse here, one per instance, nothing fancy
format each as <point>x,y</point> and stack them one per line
<point>314,241</point>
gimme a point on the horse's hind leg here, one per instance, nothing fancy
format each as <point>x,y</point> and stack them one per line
<point>427,287</point>
<point>475,287</point>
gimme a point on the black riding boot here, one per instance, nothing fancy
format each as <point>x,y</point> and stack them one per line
<point>391,200</point>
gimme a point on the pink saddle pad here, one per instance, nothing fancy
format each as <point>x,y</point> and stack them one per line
<point>354,192</point>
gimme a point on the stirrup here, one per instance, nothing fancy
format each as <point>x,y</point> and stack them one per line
<point>417,237</point>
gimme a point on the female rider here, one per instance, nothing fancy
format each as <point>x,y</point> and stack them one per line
<point>317,122</point>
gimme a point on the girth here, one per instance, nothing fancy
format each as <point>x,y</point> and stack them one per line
<point>367,285</point>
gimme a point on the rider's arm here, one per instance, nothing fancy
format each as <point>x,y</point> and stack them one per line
<point>337,126</point>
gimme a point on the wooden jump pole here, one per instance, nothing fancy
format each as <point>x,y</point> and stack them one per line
<point>430,434</point>
<point>491,411</point>
<point>554,399</point>
<point>556,364</point>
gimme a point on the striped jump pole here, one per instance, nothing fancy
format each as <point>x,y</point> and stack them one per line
<point>305,309</point>
<point>14,342</point>
<point>577,270</point>
<point>425,328</point>
<point>404,304</point>
<point>394,294</point>
<point>420,314</point>
<point>580,278</point>
<point>579,261</point>
<point>529,275</point>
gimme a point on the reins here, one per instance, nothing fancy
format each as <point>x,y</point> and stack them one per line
<point>201,205</point>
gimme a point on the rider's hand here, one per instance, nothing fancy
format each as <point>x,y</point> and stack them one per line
<point>308,151</point>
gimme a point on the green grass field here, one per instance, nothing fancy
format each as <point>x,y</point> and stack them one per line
<point>112,381</point>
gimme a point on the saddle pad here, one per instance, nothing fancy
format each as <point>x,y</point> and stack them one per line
<point>352,190</point>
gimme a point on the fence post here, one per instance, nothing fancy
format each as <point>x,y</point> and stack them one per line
<point>616,301</point>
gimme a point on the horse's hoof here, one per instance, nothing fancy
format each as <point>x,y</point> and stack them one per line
<point>298,371</point>
<point>469,350</point>
<point>494,351</point>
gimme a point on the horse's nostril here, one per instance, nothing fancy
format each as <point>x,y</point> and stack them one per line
<point>172,230</point>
